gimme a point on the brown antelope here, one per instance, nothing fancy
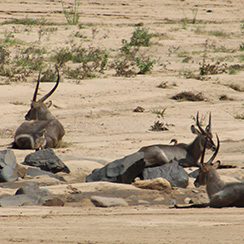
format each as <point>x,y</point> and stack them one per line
<point>42,130</point>
<point>220,194</point>
<point>187,155</point>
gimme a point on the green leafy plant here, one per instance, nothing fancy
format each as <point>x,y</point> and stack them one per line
<point>145,65</point>
<point>124,64</point>
<point>26,21</point>
<point>49,75</point>
<point>62,56</point>
<point>194,13</point>
<point>211,69</point>
<point>72,16</point>
<point>241,47</point>
<point>140,37</point>
<point>128,59</point>
<point>92,60</point>
<point>29,61</point>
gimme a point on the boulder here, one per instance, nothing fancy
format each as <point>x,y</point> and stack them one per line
<point>159,184</point>
<point>108,201</point>
<point>33,172</point>
<point>46,160</point>
<point>31,195</point>
<point>9,169</point>
<point>172,172</point>
<point>123,170</point>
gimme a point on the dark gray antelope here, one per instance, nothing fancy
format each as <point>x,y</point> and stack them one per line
<point>187,155</point>
<point>220,194</point>
<point>41,127</point>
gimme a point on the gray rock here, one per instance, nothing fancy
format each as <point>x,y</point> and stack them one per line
<point>194,173</point>
<point>31,188</point>
<point>46,160</point>
<point>123,170</point>
<point>31,171</point>
<point>30,195</point>
<point>172,172</point>
<point>108,201</point>
<point>19,200</point>
<point>8,166</point>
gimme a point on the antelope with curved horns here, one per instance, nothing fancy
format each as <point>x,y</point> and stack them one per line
<point>220,194</point>
<point>41,124</point>
<point>187,155</point>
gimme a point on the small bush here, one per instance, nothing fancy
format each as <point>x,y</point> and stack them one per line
<point>145,65</point>
<point>62,56</point>
<point>128,59</point>
<point>188,96</point>
<point>241,47</point>
<point>140,37</point>
<point>72,16</point>
<point>49,76</point>
<point>29,61</point>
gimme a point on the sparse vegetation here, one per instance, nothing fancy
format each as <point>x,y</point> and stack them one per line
<point>241,47</point>
<point>158,124</point>
<point>140,37</point>
<point>236,87</point>
<point>239,116</point>
<point>129,57</point>
<point>225,98</point>
<point>49,75</point>
<point>145,65</point>
<point>194,13</point>
<point>71,15</point>
<point>188,96</point>
<point>211,69</point>
<point>235,68</point>
<point>26,21</point>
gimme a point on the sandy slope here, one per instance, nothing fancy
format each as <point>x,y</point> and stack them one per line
<point>101,126</point>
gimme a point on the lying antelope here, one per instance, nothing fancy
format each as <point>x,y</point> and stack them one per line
<point>186,154</point>
<point>42,130</point>
<point>220,194</point>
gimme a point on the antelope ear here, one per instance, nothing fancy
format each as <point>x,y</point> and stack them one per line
<point>34,104</point>
<point>194,130</point>
<point>48,104</point>
<point>216,164</point>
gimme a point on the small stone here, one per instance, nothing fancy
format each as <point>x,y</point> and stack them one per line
<point>159,184</point>
<point>159,199</point>
<point>188,200</point>
<point>172,202</point>
<point>99,201</point>
<point>8,166</point>
<point>143,202</point>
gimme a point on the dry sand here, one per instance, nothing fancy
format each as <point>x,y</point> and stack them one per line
<point>101,126</point>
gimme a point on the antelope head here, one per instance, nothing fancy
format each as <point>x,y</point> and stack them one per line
<point>205,136</point>
<point>39,109</point>
<point>206,169</point>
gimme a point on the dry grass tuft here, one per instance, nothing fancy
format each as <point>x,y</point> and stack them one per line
<point>188,96</point>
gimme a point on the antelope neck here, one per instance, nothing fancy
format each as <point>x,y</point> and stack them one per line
<point>195,148</point>
<point>213,182</point>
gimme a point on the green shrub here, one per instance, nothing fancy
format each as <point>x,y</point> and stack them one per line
<point>140,37</point>
<point>145,65</point>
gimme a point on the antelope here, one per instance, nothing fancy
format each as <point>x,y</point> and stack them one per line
<point>220,194</point>
<point>42,129</point>
<point>187,155</point>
